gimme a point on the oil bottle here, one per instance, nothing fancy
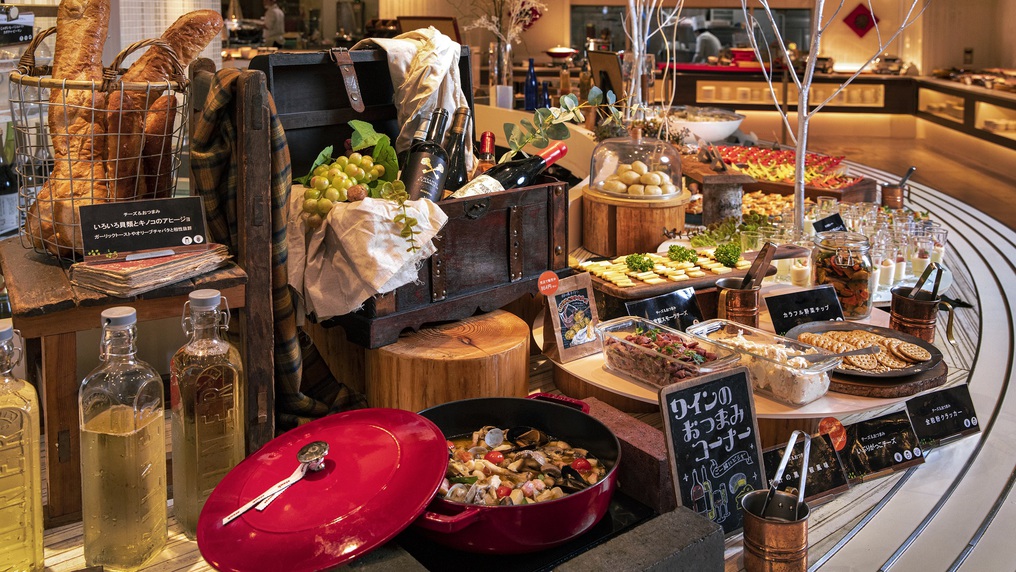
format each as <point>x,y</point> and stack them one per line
<point>20,466</point>
<point>123,451</point>
<point>206,379</point>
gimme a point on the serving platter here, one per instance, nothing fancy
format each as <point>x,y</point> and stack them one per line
<point>829,326</point>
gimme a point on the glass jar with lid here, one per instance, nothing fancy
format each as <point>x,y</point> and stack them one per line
<point>842,259</point>
<point>636,167</point>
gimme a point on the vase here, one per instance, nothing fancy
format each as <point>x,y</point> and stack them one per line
<point>500,74</point>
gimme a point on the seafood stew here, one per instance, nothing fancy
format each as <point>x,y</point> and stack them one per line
<point>516,466</point>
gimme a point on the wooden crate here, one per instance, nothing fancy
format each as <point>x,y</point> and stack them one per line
<point>491,251</point>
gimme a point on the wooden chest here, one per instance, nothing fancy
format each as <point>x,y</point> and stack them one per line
<point>491,251</point>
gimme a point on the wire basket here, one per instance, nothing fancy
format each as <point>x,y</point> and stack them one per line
<point>91,142</point>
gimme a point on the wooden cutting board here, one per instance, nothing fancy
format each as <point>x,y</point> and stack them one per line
<point>642,290</point>
<point>890,387</point>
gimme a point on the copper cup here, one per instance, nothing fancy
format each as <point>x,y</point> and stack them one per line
<point>735,304</point>
<point>773,544</point>
<point>892,196</point>
<point>917,316</point>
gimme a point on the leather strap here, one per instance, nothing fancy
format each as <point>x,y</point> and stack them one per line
<point>341,58</point>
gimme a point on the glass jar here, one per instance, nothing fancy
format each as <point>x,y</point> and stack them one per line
<point>123,451</point>
<point>842,259</point>
<point>205,390</point>
<point>20,463</point>
<point>636,167</point>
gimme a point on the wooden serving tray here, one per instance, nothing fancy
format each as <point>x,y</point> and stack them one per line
<point>642,290</point>
<point>890,387</point>
<point>863,191</point>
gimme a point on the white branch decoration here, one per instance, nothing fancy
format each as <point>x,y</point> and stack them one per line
<point>643,20</point>
<point>803,84</point>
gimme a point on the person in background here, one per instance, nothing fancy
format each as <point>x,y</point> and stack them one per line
<point>274,25</point>
<point>706,45</point>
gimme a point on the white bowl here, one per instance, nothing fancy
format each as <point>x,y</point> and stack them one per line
<point>707,123</point>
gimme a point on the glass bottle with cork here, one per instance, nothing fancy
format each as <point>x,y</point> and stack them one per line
<point>455,147</point>
<point>425,169</point>
<point>205,393</point>
<point>486,159</point>
<point>123,451</point>
<point>20,464</point>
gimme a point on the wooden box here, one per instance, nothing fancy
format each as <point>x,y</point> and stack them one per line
<point>491,251</point>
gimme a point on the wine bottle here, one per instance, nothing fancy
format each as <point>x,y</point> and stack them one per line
<point>426,167</point>
<point>486,159</point>
<point>531,88</point>
<point>423,122</point>
<point>456,148</point>
<point>8,192</point>
<point>545,94</point>
<point>512,174</point>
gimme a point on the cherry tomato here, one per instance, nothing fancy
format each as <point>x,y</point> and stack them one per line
<point>581,465</point>
<point>494,457</point>
<point>503,490</point>
<point>449,444</point>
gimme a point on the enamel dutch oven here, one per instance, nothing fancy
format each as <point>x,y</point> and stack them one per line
<point>532,527</point>
<point>364,476</point>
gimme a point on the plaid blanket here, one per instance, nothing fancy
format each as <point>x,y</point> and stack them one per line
<point>304,387</point>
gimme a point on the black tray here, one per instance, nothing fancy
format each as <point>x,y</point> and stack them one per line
<point>828,326</point>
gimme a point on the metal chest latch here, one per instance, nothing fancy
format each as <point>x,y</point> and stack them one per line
<point>341,58</point>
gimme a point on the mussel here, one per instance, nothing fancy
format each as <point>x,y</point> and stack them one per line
<point>526,437</point>
<point>571,481</point>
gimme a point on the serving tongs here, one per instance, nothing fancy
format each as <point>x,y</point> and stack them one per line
<point>781,505</point>
<point>938,269</point>
<point>757,272</point>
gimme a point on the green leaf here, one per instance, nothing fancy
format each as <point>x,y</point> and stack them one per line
<point>528,126</point>
<point>540,142</point>
<point>611,98</point>
<point>412,222</point>
<point>323,157</point>
<point>569,101</point>
<point>595,96</point>
<point>384,155</point>
<point>543,115</point>
<point>399,218</point>
<point>509,128</point>
<point>363,135</point>
<point>577,116</point>
<point>558,132</point>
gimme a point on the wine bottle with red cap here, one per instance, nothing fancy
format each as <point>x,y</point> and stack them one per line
<point>512,174</point>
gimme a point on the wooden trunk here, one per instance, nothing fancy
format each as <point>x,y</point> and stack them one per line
<point>613,226</point>
<point>482,356</point>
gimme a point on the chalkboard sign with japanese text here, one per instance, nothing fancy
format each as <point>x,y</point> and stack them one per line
<point>825,472</point>
<point>812,305</point>
<point>678,309</point>
<point>944,414</point>
<point>138,229</point>
<point>713,443</point>
<point>831,222</point>
<point>17,31</point>
<point>879,446</point>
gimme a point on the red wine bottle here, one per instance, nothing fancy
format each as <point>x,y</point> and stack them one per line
<point>513,174</point>
<point>427,164</point>
<point>455,146</point>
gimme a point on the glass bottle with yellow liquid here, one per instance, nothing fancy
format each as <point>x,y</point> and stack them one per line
<point>206,377</point>
<point>20,467</point>
<point>123,451</point>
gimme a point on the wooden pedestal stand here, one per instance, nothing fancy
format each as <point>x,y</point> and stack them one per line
<point>615,225</point>
<point>721,191</point>
<point>481,356</point>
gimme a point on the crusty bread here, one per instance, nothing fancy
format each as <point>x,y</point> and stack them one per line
<point>76,126</point>
<point>187,36</point>
<point>158,163</point>
<point>125,133</point>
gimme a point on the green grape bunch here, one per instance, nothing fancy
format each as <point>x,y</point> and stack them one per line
<point>345,179</point>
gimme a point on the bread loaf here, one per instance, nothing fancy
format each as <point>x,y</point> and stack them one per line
<point>125,124</point>
<point>76,127</point>
<point>158,162</point>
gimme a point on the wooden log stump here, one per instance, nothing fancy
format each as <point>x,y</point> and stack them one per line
<point>481,356</point>
<point>613,226</point>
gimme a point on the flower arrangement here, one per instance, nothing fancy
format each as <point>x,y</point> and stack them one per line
<point>506,19</point>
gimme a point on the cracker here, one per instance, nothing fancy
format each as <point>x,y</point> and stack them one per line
<point>865,362</point>
<point>914,351</point>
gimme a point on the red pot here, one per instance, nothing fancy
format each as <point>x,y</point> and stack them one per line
<point>526,528</point>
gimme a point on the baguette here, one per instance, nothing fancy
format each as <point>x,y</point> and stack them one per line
<point>158,162</point>
<point>76,129</point>
<point>125,126</point>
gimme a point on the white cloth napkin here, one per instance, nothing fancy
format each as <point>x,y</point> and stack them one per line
<point>424,65</point>
<point>357,253</point>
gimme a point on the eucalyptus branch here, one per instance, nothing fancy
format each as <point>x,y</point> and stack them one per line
<point>549,122</point>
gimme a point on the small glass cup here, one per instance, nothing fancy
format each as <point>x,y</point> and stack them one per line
<point>921,247</point>
<point>826,206</point>
<point>939,236</point>
<point>751,240</point>
<point>800,266</point>
<point>884,257</point>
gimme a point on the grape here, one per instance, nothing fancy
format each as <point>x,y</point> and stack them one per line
<point>370,176</point>
<point>312,194</point>
<point>360,174</point>
<point>367,162</point>
<point>319,183</point>
<point>341,162</point>
<point>332,194</point>
<point>315,220</point>
<point>323,206</point>
<point>334,172</point>
<point>355,158</point>
<point>320,170</point>
<point>351,170</point>
<point>379,169</point>
<point>310,205</point>
<point>344,184</point>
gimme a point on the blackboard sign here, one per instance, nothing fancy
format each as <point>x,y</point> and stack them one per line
<point>678,309</point>
<point>713,443</point>
<point>19,31</point>
<point>943,414</point>
<point>831,222</point>
<point>825,472</point>
<point>879,446</point>
<point>796,308</point>
<point>115,231</point>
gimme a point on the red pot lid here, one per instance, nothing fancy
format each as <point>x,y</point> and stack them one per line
<point>382,469</point>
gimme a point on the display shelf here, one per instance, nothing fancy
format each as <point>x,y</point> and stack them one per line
<point>758,93</point>
<point>995,119</point>
<point>987,114</point>
<point>940,105</point>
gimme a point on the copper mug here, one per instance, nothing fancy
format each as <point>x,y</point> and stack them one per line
<point>918,315</point>
<point>735,304</point>
<point>892,196</point>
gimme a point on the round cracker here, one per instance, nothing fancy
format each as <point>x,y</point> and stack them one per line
<point>914,352</point>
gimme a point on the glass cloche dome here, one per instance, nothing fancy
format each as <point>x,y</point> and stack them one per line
<point>636,167</point>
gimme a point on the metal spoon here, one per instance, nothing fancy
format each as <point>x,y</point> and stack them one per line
<point>906,177</point>
<point>858,352</point>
